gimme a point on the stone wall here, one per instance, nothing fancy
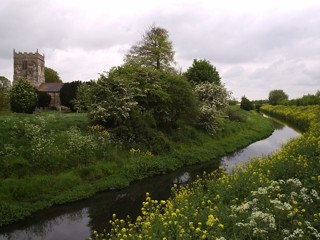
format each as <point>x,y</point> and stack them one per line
<point>29,66</point>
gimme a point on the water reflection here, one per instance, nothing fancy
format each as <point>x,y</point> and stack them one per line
<point>77,220</point>
<point>261,148</point>
<point>183,179</point>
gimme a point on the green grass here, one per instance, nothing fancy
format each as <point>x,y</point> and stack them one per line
<point>73,162</point>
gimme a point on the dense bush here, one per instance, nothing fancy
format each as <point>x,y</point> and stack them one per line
<point>68,94</point>
<point>44,99</point>
<point>23,97</point>
<point>246,104</point>
<point>137,103</point>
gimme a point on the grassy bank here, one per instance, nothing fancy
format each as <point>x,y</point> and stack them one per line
<point>54,158</point>
<point>273,198</point>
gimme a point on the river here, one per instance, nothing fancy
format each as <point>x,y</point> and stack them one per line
<point>77,220</point>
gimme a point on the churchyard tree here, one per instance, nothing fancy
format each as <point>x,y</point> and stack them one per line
<point>23,96</point>
<point>68,94</point>
<point>51,76</point>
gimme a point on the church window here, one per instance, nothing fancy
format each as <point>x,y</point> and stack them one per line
<point>24,65</point>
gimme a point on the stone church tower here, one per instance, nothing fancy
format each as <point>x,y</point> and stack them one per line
<point>29,66</point>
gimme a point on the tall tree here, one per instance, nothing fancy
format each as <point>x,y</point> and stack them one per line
<point>51,76</point>
<point>277,96</point>
<point>154,50</point>
<point>203,71</point>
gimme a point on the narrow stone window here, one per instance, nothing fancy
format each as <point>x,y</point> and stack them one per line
<point>24,65</point>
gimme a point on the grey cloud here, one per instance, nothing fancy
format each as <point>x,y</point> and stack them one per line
<point>252,52</point>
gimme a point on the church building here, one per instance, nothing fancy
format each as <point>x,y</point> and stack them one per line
<point>31,66</point>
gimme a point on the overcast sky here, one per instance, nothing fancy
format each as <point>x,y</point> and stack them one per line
<point>256,46</point>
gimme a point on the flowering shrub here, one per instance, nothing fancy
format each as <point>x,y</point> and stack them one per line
<point>214,100</point>
<point>113,101</point>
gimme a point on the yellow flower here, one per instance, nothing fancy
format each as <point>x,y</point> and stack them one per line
<point>211,220</point>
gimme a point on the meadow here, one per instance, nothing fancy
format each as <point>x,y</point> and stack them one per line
<point>53,158</point>
<point>275,197</point>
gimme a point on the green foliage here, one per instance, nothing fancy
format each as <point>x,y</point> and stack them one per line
<point>305,100</point>
<point>68,94</point>
<point>137,103</point>
<point>4,82</point>
<point>246,104</point>
<point>23,97</point>
<point>203,71</point>
<point>181,102</point>
<point>84,96</point>
<point>44,99</point>
<point>51,76</point>
<point>4,93</point>
<point>155,50</point>
<point>277,96</point>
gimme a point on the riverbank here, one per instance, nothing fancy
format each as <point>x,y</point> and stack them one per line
<point>277,197</point>
<point>24,189</point>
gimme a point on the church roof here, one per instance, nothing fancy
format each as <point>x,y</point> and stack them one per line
<point>50,87</point>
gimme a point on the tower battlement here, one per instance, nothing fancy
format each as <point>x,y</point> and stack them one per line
<point>28,55</point>
<point>30,66</point>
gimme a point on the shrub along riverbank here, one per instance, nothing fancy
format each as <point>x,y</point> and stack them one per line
<point>277,197</point>
<point>53,158</point>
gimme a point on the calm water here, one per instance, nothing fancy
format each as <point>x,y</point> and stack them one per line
<point>77,220</point>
